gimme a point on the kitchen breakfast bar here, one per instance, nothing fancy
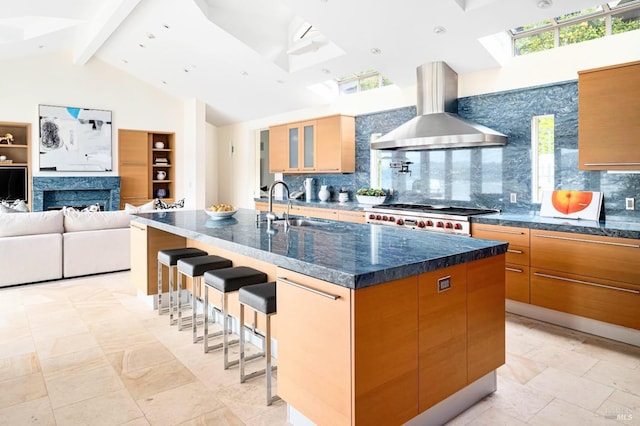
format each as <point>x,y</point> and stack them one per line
<point>374,325</point>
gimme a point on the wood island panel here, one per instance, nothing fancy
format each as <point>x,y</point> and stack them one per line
<point>146,241</point>
<point>485,316</point>
<point>443,335</point>
<point>385,359</point>
<point>314,349</point>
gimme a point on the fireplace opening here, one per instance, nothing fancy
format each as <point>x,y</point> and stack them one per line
<point>78,207</point>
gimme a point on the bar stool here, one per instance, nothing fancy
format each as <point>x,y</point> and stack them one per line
<point>194,268</point>
<point>261,298</point>
<point>169,258</point>
<point>226,281</point>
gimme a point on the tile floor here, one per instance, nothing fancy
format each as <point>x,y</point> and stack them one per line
<point>87,351</point>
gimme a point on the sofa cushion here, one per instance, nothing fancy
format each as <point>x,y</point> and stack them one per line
<point>49,222</point>
<point>75,221</point>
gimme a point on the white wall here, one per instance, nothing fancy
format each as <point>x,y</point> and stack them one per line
<point>530,70</point>
<point>52,79</point>
<point>211,173</point>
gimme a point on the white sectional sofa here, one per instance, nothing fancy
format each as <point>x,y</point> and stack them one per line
<point>50,245</point>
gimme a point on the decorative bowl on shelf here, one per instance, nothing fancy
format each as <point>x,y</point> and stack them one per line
<point>220,215</point>
<point>159,145</point>
<point>371,199</point>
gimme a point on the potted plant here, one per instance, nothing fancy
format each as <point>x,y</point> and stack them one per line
<point>371,195</point>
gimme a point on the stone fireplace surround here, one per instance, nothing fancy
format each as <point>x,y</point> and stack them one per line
<point>52,191</point>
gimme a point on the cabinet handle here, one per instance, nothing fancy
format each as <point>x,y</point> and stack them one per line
<point>554,277</point>
<point>612,164</point>
<point>133,163</point>
<point>515,251</point>
<point>514,270</point>
<point>329,170</point>
<point>312,290</point>
<point>133,225</point>
<point>581,240</point>
<point>500,231</point>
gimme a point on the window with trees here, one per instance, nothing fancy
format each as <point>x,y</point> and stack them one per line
<point>542,156</point>
<point>599,21</point>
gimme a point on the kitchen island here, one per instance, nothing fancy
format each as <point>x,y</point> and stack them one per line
<point>375,325</point>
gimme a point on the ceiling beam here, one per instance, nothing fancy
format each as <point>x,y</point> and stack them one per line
<point>97,31</point>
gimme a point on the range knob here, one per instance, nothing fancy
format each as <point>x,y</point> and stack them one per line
<point>378,217</point>
<point>385,218</point>
<point>457,226</point>
<point>429,223</point>
<point>372,216</point>
<point>440,225</point>
<point>449,225</point>
<point>392,219</point>
<point>400,222</point>
<point>421,224</point>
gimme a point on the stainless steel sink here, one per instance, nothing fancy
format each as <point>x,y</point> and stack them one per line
<point>306,222</point>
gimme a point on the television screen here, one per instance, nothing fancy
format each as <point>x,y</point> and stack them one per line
<point>13,183</point>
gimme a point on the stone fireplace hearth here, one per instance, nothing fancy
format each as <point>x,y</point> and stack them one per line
<point>52,192</point>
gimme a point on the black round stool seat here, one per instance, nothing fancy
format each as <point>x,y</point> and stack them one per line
<point>232,279</point>
<point>170,257</point>
<point>260,297</point>
<point>198,265</point>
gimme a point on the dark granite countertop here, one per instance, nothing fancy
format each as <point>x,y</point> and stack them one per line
<point>352,255</point>
<point>613,227</point>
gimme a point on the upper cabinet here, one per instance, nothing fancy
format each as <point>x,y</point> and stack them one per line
<point>323,145</point>
<point>15,157</point>
<point>609,118</point>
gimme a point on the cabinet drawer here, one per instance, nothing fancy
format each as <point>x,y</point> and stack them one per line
<point>517,282</point>
<point>314,212</point>
<point>510,234</point>
<point>518,255</point>
<point>595,298</point>
<point>351,216</point>
<point>587,255</point>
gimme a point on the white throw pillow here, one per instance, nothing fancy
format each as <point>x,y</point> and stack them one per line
<point>130,208</point>
<point>75,221</point>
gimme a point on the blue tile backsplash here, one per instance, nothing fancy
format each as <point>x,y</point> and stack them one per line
<point>484,177</point>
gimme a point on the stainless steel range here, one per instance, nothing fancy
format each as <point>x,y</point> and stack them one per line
<point>452,220</point>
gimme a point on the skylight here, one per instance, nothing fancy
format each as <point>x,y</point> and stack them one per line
<point>588,24</point>
<point>362,80</point>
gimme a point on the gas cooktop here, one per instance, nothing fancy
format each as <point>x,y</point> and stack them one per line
<point>434,209</point>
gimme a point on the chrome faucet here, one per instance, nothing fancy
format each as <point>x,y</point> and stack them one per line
<point>270,214</point>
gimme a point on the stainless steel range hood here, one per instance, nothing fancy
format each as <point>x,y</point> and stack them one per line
<point>437,126</point>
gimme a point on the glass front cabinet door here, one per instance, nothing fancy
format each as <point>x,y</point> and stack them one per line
<point>302,145</point>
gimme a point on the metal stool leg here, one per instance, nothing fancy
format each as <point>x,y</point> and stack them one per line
<point>159,288</point>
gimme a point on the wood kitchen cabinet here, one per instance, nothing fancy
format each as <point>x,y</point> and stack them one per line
<point>139,162</point>
<point>442,334</point>
<point>517,260</point>
<point>323,145</point>
<point>317,381</point>
<point>297,210</point>
<point>384,354</point>
<point>336,144</point>
<point>590,276</point>
<point>609,118</point>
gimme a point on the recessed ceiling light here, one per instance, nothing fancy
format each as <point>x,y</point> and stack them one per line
<point>41,46</point>
<point>125,61</point>
<point>439,30</point>
<point>166,26</point>
<point>376,51</point>
<point>280,81</point>
<point>185,69</point>
<point>141,45</point>
<point>151,36</point>
<point>163,81</point>
<point>545,4</point>
<point>244,73</point>
<point>325,71</point>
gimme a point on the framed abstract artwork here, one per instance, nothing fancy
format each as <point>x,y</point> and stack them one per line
<point>75,139</point>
